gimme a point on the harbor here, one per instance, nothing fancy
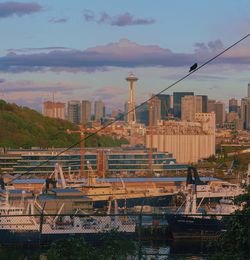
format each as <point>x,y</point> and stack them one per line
<point>90,208</point>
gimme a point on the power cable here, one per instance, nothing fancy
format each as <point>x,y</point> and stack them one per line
<point>124,114</point>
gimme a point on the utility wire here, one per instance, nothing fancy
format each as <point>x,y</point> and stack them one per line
<point>124,114</point>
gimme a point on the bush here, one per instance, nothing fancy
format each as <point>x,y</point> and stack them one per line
<point>113,246</point>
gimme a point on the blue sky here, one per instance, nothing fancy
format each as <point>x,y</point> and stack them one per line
<point>84,49</point>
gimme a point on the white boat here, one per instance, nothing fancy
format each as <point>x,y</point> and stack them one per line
<point>190,223</point>
<point>19,226</point>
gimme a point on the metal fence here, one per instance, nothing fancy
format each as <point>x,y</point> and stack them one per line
<point>157,236</point>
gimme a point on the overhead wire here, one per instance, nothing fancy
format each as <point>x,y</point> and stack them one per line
<point>143,103</point>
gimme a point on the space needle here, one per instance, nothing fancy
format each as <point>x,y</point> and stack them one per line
<point>131,103</point>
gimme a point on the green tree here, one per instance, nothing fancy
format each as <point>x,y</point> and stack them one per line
<point>111,246</point>
<point>74,248</point>
<point>235,242</point>
<point>24,127</point>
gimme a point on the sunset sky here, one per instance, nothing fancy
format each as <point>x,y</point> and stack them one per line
<point>85,49</point>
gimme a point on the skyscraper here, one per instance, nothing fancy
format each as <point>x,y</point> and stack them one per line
<point>156,113</point>
<point>248,90</point>
<point>99,110</point>
<point>233,105</point>
<point>243,112</point>
<point>126,108</point>
<point>177,102</point>
<point>189,106</point>
<point>204,103</point>
<point>86,111</point>
<point>210,105</point>
<point>142,114</point>
<point>220,113</point>
<point>165,105</point>
<point>74,111</point>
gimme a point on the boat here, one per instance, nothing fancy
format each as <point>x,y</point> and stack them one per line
<point>192,223</point>
<point>207,191</point>
<point>101,192</point>
<point>19,226</point>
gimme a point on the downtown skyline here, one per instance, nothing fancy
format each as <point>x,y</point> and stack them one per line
<point>85,50</point>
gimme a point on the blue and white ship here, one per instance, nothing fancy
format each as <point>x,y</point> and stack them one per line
<point>19,226</point>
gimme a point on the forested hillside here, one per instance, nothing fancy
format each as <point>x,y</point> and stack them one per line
<point>26,128</point>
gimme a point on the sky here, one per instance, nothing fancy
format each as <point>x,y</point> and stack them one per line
<point>85,49</point>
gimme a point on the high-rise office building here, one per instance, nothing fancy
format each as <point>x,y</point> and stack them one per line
<point>204,103</point>
<point>243,112</point>
<point>248,113</point>
<point>233,105</point>
<point>210,105</point>
<point>220,113</point>
<point>74,111</point>
<point>177,102</point>
<point>99,110</point>
<point>189,106</point>
<point>165,105</point>
<point>126,108</point>
<point>86,111</point>
<point>142,114</point>
<point>53,109</point>
<point>156,112</point>
<point>248,90</point>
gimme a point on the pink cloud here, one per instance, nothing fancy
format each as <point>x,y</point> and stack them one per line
<point>125,19</point>
<point>124,54</point>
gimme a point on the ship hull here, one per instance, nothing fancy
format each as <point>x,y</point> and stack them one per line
<point>156,201</point>
<point>19,238</point>
<point>35,238</point>
<point>185,227</point>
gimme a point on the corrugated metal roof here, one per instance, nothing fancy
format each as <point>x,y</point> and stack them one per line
<point>115,180</point>
<point>27,181</point>
<point>16,191</point>
<point>69,190</point>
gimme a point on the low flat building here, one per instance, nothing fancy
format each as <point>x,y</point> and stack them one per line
<point>127,160</point>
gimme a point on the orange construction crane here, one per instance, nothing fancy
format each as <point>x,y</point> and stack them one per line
<point>101,163</point>
<point>81,132</point>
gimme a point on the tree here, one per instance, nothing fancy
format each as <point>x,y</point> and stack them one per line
<point>235,242</point>
<point>111,246</point>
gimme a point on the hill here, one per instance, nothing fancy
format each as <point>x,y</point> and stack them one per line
<point>26,128</point>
